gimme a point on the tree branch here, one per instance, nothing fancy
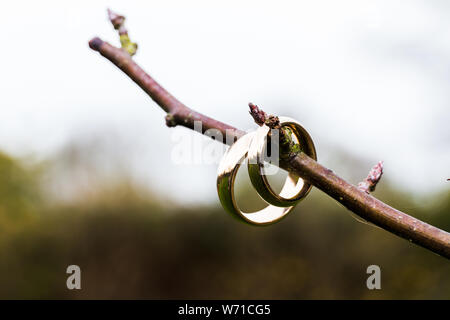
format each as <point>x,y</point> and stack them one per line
<point>177,113</point>
<point>354,199</point>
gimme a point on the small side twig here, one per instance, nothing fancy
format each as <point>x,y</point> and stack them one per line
<point>118,22</point>
<point>369,184</point>
<point>288,147</point>
<point>261,117</point>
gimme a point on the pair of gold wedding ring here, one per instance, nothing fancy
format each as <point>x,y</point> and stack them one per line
<point>252,146</point>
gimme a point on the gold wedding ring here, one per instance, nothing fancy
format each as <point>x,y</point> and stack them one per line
<point>295,188</point>
<point>226,176</point>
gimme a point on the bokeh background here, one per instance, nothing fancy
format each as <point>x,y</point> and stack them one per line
<point>87,168</point>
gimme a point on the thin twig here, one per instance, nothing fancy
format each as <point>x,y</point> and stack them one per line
<point>286,144</point>
<point>369,184</point>
<point>361,203</point>
<point>118,22</point>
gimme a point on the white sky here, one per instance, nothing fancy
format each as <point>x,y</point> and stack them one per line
<point>370,78</point>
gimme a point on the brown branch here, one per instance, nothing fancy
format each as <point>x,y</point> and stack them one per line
<point>361,203</point>
<point>177,113</point>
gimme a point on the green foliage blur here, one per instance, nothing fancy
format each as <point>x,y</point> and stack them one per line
<point>130,244</point>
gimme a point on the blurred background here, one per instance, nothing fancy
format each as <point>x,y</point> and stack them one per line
<point>88,173</point>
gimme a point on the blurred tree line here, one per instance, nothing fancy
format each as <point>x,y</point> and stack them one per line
<point>131,244</point>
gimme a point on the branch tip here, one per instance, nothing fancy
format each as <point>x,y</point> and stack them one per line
<point>369,184</point>
<point>95,43</point>
<point>258,115</point>
<point>261,117</point>
<point>118,22</point>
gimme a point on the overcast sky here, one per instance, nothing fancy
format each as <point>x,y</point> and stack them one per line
<point>370,78</point>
